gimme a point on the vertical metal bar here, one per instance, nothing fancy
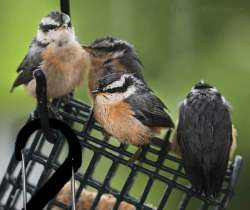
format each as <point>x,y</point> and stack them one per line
<point>24,183</point>
<point>168,191</point>
<point>15,187</point>
<point>73,190</point>
<point>106,182</point>
<point>65,6</point>
<point>125,188</point>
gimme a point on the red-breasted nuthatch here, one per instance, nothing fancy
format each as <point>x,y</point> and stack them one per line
<point>56,51</point>
<point>128,109</point>
<point>111,55</point>
<point>205,136</point>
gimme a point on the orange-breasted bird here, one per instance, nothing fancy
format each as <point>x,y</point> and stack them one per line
<point>56,51</point>
<point>123,103</point>
<point>111,55</point>
<point>128,110</point>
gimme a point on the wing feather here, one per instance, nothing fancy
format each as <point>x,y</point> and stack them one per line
<point>30,62</point>
<point>150,110</point>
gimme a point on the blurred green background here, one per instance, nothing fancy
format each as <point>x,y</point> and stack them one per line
<point>180,42</point>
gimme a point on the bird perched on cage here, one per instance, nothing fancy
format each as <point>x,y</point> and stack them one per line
<point>128,109</point>
<point>56,51</point>
<point>123,103</point>
<point>204,138</point>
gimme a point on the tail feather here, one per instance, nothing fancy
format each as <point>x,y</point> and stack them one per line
<point>205,179</point>
<point>217,175</point>
<point>196,178</point>
<point>212,179</point>
<point>24,77</point>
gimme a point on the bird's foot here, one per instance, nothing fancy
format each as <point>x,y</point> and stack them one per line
<point>139,154</point>
<point>106,136</point>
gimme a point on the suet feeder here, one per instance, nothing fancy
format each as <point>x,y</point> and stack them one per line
<point>106,169</point>
<point>157,182</point>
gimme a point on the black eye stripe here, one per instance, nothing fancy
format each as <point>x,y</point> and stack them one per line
<point>117,89</point>
<point>46,28</point>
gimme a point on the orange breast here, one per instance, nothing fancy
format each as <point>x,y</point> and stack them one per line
<point>118,120</point>
<point>65,68</point>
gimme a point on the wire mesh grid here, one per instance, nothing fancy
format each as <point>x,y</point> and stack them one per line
<point>158,180</point>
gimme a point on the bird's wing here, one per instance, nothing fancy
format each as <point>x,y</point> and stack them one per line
<point>204,134</point>
<point>150,110</point>
<point>33,59</point>
<point>30,62</point>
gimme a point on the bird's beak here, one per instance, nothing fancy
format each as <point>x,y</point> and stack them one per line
<point>63,27</point>
<point>94,92</point>
<point>89,49</point>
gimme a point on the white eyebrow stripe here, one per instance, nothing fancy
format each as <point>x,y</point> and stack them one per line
<point>214,90</point>
<point>66,18</point>
<point>116,84</point>
<point>121,96</point>
<point>118,54</point>
<point>122,42</point>
<point>49,21</point>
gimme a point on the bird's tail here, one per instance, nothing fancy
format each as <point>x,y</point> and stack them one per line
<point>213,179</point>
<point>24,77</point>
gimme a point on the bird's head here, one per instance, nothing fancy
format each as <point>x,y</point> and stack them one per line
<point>117,87</point>
<point>55,27</point>
<point>203,86</point>
<point>108,49</point>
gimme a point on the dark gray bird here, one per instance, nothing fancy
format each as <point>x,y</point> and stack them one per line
<point>128,110</point>
<point>204,137</point>
<point>56,51</point>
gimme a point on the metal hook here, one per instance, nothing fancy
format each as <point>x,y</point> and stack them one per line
<point>42,105</point>
<point>62,174</point>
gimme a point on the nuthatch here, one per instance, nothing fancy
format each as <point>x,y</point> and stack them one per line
<point>56,51</point>
<point>127,109</point>
<point>110,55</point>
<point>205,136</point>
<point>136,115</point>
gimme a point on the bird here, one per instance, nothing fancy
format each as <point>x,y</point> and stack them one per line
<point>57,52</point>
<point>128,110</point>
<point>112,55</point>
<point>115,58</point>
<point>205,137</point>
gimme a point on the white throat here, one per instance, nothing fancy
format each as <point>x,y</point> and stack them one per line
<point>63,36</point>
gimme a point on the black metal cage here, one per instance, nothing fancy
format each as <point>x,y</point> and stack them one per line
<point>157,182</point>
